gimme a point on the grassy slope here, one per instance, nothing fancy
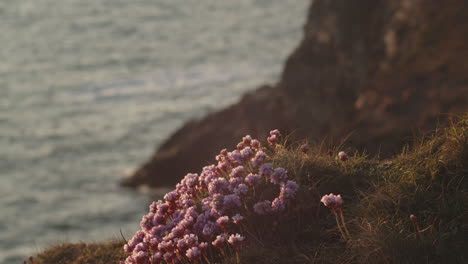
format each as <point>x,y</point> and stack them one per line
<point>428,181</point>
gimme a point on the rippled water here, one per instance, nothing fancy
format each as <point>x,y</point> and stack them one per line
<point>88,89</point>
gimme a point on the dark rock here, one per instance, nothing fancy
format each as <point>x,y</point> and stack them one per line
<point>376,71</point>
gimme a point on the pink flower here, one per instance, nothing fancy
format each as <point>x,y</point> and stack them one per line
<point>181,244</point>
<point>165,245</point>
<point>178,231</point>
<point>136,239</point>
<point>191,239</point>
<point>279,176</point>
<point>277,205</point>
<point>275,133</point>
<point>266,169</point>
<point>128,260</point>
<point>236,240</point>
<point>190,180</point>
<point>231,201</point>
<point>235,157</point>
<point>247,140</point>
<point>193,253</point>
<point>255,144</point>
<point>272,140</point>
<point>343,156</point>
<point>252,179</point>
<point>240,146</point>
<point>237,172</point>
<point>223,152</point>
<point>203,246</point>
<point>234,182</point>
<point>156,257</point>
<point>171,197</point>
<point>289,189</point>
<point>332,201</point>
<point>141,257</point>
<point>163,208</point>
<point>274,137</point>
<point>146,222</point>
<point>259,159</point>
<point>158,219</point>
<point>168,257</point>
<point>237,219</point>
<point>223,166</point>
<point>247,153</point>
<point>223,221</point>
<point>154,206</point>
<point>217,202</point>
<point>209,229</point>
<point>127,248</point>
<point>220,241</point>
<point>262,208</point>
<point>218,185</point>
<point>241,189</point>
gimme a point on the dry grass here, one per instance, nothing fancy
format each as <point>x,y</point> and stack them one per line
<point>82,253</point>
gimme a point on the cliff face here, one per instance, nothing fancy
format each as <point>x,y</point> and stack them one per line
<point>380,70</point>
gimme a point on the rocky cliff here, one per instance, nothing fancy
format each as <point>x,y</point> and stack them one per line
<point>378,71</point>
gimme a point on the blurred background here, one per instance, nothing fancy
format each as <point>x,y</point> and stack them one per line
<point>88,89</point>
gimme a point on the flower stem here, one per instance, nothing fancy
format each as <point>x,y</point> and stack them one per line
<point>206,259</point>
<point>418,229</point>
<point>339,226</point>
<point>344,223</point>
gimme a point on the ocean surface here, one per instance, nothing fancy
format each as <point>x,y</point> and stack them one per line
<point>89,89</point>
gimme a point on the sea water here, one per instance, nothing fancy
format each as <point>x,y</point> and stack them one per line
<point>90,88</point>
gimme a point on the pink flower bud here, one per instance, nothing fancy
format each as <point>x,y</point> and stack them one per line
<point>240,146</point>
<point>343,156</point>
<point>275,133</point>
<point>255,144</point>
<point>272,140</point>
<point>247,140</point>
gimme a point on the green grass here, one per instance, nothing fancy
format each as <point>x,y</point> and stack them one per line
<point>427,180</point>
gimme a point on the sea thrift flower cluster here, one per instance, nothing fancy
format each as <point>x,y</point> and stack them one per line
<point>335,203</point>
<point>274,137</point>
<point>332,201</point>
<point>205,212</point>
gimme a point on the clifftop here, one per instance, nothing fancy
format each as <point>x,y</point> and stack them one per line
<point>379,70</point>
<point>408,209</point>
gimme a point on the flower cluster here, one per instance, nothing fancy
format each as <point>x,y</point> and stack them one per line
<point>332,201</point>
<point>274,137</point>
<point>335,203</point>
<point>205,211</point>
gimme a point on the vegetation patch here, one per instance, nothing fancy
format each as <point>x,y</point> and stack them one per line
<point>305,203</point>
